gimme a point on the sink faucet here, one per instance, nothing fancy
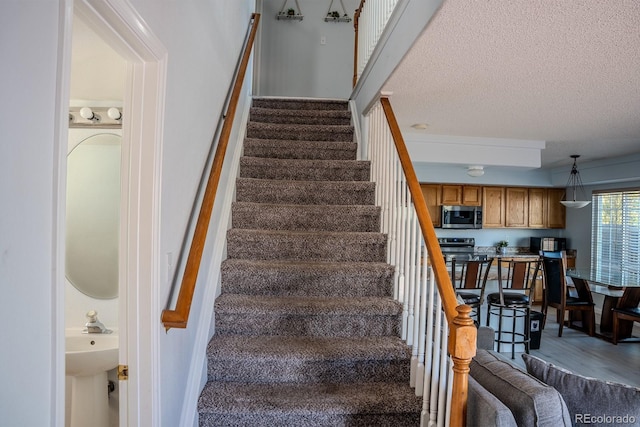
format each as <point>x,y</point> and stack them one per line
<point>94,326</point>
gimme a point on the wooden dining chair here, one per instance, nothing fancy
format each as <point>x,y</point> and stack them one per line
<point>557,295</point>
<point>625,313</point>
<point>470,282</point>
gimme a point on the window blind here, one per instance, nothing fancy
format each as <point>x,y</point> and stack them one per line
<point>615,232</point>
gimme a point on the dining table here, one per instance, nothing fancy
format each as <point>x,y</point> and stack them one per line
<point>617,287</point>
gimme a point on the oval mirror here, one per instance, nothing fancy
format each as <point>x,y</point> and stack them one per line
<point>93,215</point>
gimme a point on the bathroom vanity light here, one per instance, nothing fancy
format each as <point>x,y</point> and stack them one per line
<point>95,116</point>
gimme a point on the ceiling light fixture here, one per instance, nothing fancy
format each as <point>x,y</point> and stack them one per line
<point>574,183</point>
<point>475,171</point>
<point>420,126</point>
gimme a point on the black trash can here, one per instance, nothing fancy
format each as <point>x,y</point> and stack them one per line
<point>535,330</point>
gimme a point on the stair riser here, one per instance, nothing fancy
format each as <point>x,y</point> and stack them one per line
<point>291,370</point>
<point>299,104</point>
<point>299,325</point>
<point>269,170</point>
<point>311,193</point>
<point>299,132</point>
<point>301,218</point>
<point>309,419</point>
<point>290,117</point>
<point>307,150</point>
<point>253,280</point>
<point>343,248</point>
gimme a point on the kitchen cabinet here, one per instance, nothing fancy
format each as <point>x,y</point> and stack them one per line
<point>545,209</point>
<point>493,211</point>
<point>451,194</point>
<point>472,195</point>
<point>538,207</point>
<point>433,197</point>
<point>466,195</point>
<point>556,212</point>
<point>517,207</point>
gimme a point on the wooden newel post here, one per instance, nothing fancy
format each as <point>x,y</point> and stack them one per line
<point>462,347</point>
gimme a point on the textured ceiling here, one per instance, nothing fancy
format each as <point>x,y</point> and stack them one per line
<point>564,72</point>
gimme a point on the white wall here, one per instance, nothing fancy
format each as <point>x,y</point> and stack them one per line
<point>294,63</point>
<point>29,269</point>
<point>203,41</point>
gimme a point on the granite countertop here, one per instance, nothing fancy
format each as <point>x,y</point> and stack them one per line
<point>513,252</point>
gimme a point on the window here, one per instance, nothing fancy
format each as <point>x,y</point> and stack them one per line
<point>615,235</point>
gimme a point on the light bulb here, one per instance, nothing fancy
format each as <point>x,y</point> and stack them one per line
<point>86,113</point>
<point>114,113</point>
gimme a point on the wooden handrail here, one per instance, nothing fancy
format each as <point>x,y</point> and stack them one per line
<point>356,17</point>
<point>178,317</point>
<point>463,333</point>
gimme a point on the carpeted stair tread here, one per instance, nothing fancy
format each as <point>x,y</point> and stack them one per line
<point>282,115</point>
<point>305,217</point>
<point>303,405</point>
<point>307,316</point>
<point>305,191</point>
<point>306,278</point>
<point>300,103</point>
<point>304,169</point>
<point>301,245</point>
<point>308,348</point>
<point>273,358</point>
<point>300,132</point>
<point>288,149</point>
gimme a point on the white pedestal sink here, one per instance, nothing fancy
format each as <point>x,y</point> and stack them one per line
<point>88,357</point>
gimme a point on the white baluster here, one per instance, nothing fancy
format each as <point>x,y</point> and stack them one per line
<point>420,368</point>
<point>412,275</point>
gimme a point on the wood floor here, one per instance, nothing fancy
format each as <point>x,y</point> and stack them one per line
<point>589,356</point>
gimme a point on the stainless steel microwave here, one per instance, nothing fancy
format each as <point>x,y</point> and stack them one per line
<point>461,217</point>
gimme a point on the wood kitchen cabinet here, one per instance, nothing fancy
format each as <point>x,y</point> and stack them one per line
<point>466,195</point>
<point>556,212</point>
<point>517,207</point>
<point>545,209</point>
<point>538,202</point>
<point>433,197</point>
<point>493,211</point>
<point>451,194</point>
<point>472,195</point>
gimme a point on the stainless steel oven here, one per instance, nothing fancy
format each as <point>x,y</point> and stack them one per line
<point>461,217</point>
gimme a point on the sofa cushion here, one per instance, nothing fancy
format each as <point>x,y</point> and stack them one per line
<point>484,409</point>
<point>532,402</point>
<point>590,400</point>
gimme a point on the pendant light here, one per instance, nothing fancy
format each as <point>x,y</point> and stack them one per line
<point>574,183</point>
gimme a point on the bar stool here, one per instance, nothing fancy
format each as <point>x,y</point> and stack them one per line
<point>471,282</point>
<point>519,282</point>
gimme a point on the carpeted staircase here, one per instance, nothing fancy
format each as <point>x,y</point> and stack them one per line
<point>306,330</point>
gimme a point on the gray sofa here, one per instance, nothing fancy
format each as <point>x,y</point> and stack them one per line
<point>502,394</point>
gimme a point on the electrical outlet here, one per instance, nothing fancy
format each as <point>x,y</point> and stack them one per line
<point>323,40</point>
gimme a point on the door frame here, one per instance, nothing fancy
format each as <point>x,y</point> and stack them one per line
<point>124,30</point>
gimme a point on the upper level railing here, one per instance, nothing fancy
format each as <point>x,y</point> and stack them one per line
<point>440,332</point>
<point>369,23</point>
<point>178,317</point>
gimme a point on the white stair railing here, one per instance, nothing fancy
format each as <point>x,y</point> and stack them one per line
<point>370,22</point>
<point>440,356</point>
